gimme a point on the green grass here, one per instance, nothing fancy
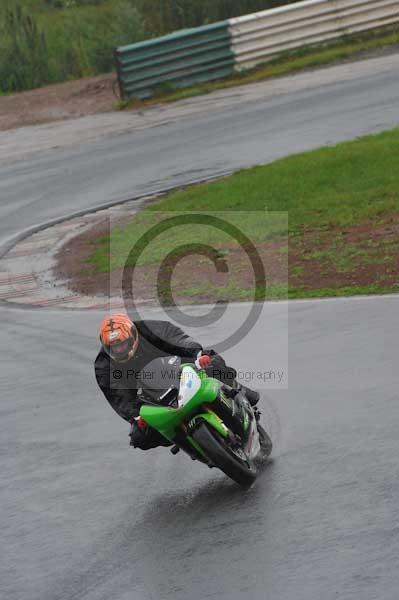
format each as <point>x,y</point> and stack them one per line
<point>338,185</point>
<point>113,252</point>
<point>353,290</point>
<point>288,63</point>
<point>230,292</point>
<point>323,192</point>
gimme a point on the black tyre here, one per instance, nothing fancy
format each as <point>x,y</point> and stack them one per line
<point>228,460</point>
<point>266,444</point>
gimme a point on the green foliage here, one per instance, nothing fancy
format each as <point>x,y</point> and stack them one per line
<point>23,51</point>
<point>41,47</point>
<point>162,16</point>
<point>81,40</point>
<point>45,41</point>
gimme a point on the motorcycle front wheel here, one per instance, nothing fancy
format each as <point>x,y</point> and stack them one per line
<point>232,462</point>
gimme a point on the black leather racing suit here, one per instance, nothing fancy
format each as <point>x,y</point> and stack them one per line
<point>118,381</point>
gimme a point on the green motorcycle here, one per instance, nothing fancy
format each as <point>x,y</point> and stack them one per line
<point>206,419</point>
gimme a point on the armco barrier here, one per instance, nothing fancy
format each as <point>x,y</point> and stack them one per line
<point>212,52</point>
<point>261,36</point>
<point>179,59</point>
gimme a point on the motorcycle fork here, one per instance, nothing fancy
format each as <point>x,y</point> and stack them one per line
<point>184,441</point>
<point>234,414</point>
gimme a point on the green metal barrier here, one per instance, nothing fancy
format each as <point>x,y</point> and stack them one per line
<point>178,60</point>
<point>215,51</point>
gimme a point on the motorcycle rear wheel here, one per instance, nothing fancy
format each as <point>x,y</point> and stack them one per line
<point>224,457</point>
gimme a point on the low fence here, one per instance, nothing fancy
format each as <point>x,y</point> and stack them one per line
<point>261,36</point>
<point>179,60</point>
<point>215,51</point>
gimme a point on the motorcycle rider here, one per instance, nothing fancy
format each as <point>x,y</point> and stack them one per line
<point>127,347</point>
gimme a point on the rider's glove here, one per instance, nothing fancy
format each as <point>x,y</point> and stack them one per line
<point>203,362</point>
<point>138,430</point>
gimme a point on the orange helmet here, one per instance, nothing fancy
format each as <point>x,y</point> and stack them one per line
<point>119,337</point>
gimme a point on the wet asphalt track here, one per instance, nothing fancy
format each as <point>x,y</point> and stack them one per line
<point>84,518</point>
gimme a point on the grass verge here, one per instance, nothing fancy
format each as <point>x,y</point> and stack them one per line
<point>348,48</point>
<point>341,236</point>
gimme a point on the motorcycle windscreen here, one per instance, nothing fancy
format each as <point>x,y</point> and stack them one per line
<point>159,375</point>
<point>190,384</point>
